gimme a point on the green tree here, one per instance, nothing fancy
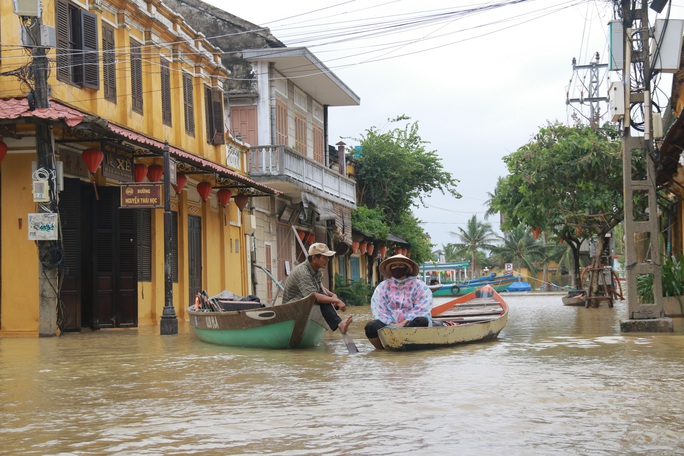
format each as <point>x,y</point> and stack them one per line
<point>476,237</point>
<point>395,171</point>
<point>567,181</point>
<point>521,248</point>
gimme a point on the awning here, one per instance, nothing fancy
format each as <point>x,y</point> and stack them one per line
<point>340,216</point>
<point>18,108</point>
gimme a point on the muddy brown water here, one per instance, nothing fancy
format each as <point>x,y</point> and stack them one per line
<point>558,381</point>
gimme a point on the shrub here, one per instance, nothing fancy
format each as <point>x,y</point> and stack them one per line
<point>353,292</point>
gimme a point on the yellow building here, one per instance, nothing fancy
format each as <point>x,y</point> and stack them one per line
<point>85,161</point>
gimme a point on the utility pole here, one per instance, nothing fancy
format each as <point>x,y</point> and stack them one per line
<point>50,253</point>
<point>592,88</point>
<point>642,248</point>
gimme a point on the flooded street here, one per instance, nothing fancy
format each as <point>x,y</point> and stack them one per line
<point>558,381</point>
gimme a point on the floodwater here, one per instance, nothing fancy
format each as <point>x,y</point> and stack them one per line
<point>558,381</point>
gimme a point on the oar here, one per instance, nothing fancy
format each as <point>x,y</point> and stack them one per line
<point>346,338</point>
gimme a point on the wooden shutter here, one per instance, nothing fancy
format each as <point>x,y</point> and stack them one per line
<point>207,115</point>
<point>136,77</point>
<point>91,58</point>
<point>63,44</point>
<point>217,116</point>
<point>188,102</point>
<point>165,92</point>
<point>109,63</point>
<point>144,250</point>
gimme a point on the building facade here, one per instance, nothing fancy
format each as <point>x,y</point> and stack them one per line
<point>131,89</point>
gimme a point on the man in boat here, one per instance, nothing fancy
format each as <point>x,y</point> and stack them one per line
<point>401,300</point>
<point>307,278</point>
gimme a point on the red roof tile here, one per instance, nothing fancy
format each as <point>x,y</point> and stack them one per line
<point>15,108</point>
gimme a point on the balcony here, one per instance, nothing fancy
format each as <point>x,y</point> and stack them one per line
<point>290,172</point>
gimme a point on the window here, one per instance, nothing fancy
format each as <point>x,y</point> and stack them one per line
<point>165,92</point>
<point>188,104</point>
<point>281,124</point>
<point>300,134</point>
<point>77,52</point>
<point>108,63</point>
<point>214,115</point>
<point>136,77</point>
<point>355,268</point>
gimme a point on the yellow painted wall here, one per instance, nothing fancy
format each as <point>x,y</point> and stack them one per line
<point>20,287</point>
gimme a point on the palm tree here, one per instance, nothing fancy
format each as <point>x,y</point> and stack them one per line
<point>521,248</point>
<point>477,236</point>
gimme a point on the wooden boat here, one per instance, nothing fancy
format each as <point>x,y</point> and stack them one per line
<point>478,316</point>
<point>298,324</point>
<point>575,298</point>
<point>499,283</point>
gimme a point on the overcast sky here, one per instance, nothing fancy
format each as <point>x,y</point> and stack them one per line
<point>480,77</point>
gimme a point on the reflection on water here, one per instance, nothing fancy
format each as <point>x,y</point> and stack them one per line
<point>559,380</point>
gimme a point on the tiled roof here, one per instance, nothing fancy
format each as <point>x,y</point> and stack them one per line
<point>18,108</point>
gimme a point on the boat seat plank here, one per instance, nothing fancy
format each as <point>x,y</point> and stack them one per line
<point>492,310</point>
<point>470,319</point>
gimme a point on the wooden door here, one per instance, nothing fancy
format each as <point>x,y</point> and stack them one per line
<point>194,256</point>
<point>114,286</point>
<point>243,121</point>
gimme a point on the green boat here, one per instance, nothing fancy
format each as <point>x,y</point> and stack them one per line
<point>297,324</point>
<point>499,283</point>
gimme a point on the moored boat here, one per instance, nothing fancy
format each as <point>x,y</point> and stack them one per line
<point>297,324</point>
<point>478,316</point>
<point>498,283</point>
<point>575,298</point>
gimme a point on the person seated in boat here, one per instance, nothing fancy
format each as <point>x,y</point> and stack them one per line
<point>400,300</point>
<point>307,278</point>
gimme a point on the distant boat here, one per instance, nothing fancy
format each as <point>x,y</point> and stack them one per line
<point>498,283</point>
<point>519,287</point>
<point>476,317</point>
<point>297,324</point>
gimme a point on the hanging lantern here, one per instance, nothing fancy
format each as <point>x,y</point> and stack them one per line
<point>536,232</point>
<point>224,196</point>
<point>362,247</point>
<point>139,172</point>
<point>204,190</point>
<point>92,158</point>
<point>301,234</point>
<point>181,180</point>
<point>310,238</point>
<point>155,173</point>
<point>382,250</point>
<point>369,249</point>
<point>355,246</point>
<point>241,201</point>
<point>3,150</point>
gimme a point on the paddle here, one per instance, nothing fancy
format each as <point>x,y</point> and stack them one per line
<point>346,338</point>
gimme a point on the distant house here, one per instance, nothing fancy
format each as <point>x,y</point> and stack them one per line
<point>280,100</point>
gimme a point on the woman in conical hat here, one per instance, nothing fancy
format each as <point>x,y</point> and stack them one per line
<point>400,300</point>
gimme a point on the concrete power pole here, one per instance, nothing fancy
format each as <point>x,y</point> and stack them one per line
<point>50,253</point>
<point>642,250</point>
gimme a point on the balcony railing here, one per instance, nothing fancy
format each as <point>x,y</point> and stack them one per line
<point>282,162</point>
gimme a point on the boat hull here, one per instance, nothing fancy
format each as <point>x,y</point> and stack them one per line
<point>460,289</point>
<point>473,319</point>
<point>298,324</point>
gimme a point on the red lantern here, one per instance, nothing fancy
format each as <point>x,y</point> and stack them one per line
<point>181,180</point>
<point>204,190</point>
<point>92,158</point>
<point>369,249</point>
<point>155,173</point>
<point>139,172</point>
<point>310,238</point>
<point>362,247</point>
<point>355,246</point>
<point>536,232</point>
<point>382,250</point>
<point>224,196</point>
<point>3,150</point>
<point>301,234</point>
<point>241,201</point>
